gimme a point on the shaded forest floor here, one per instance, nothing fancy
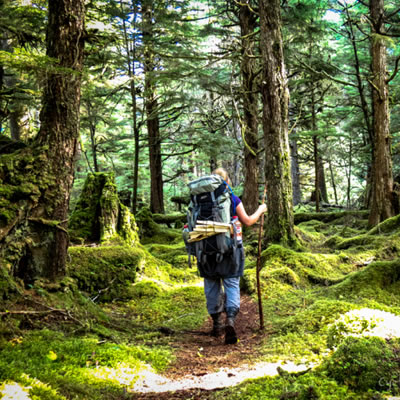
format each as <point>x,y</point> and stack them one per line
<point>131,322</point>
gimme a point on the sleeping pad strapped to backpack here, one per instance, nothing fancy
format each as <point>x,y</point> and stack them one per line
<point>220,255</point>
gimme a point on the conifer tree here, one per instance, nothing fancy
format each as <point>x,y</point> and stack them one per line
<point>275,95</point>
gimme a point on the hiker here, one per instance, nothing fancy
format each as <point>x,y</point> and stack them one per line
<point>229,270</point>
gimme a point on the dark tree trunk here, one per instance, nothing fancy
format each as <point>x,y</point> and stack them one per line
<point>131,58</point>
<point>248,25</point>
<point>275,94</point>
<point>151,104</point>
<point>322,180</point>
<point>295,172</point>
<point>60,118</point>
<point>33,236</point>
<point>382,205</point>
<point>333,183</point>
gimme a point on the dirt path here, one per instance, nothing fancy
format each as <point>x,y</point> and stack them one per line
<point>204,363</point>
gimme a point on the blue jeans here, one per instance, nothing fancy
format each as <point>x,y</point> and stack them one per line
<point>215,295</point>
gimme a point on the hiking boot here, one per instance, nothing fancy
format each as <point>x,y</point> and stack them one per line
<point>230,333</point>
<point>217,329</point>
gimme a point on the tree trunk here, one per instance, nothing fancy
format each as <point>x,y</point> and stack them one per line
<point>151,104</point>
<point>382,205</point>
<point>33,234</point>
<point>248,25</point>
<point>275,94</point>
<point>295,172</point>
<point>131,58</point>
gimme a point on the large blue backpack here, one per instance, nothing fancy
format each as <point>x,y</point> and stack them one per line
<point>218,255</point>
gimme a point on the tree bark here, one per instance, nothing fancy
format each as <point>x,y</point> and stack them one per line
<point>248,25</point>
<point>34,239</point>
<point>382,201</point>
<point>151,104</point>
<point>275,95</point>
<point>295,171</point>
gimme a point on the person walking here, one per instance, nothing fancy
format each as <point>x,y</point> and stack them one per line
<point>223,293</point>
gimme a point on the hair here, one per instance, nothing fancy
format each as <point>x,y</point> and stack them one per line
<point>222,172</point>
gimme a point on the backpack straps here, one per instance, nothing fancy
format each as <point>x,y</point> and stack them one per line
<point>232,200</point>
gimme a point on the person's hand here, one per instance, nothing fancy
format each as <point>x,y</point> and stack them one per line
<point>262,208</point>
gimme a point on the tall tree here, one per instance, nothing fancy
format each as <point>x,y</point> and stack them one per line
<point>250,93</point>
<point>382,204</point>
<point>152,111</point>
<point>275,95</point>
<point>34,239</point>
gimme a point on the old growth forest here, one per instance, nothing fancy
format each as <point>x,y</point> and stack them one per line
<point>109,108</point>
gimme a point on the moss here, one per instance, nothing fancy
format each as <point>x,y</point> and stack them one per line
<point>105,272</point>
<point>174,254</point>
<point>145,288</point>
<point>151,232</point>
<point>363,364</point>
<point>388,226</point>
<point>99,216</point>
<point>331,216</point>
<point>313,268</point>
<point>303,386</point>
<point>285,275</point>
<point>367,241</point>
<point>375,281</point>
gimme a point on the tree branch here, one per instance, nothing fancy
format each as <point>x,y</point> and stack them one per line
<point>396,69</point>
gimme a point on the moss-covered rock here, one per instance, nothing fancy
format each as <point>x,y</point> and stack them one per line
<point>364,364</point>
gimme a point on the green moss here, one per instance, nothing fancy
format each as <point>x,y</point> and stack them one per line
<point>174,254</point>
<point>389,226</point>
<point>77,367</point>
<point>289,386</point>
<point>325,269</point>
<point>145,288</point>
<point>99,216</point>
<point>363,364</point>
<point>106,272</point>
<point>177,308</point>
<point>378,280</point>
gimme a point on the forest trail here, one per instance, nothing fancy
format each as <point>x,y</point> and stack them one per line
<point>204,363</point>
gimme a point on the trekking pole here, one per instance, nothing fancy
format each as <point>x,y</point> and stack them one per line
<point>258,268</point>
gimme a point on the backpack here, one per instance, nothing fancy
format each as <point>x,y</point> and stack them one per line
<point>211,201</point>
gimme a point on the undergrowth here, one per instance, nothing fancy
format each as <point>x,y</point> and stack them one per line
<point>331,306</point>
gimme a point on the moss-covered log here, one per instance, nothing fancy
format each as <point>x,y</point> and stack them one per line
<point>180,201</point>
<point>329,216</point>
<point>170,219</point>
<point>99,216</point>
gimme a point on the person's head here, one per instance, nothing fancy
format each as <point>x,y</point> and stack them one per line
<point>222,172</point>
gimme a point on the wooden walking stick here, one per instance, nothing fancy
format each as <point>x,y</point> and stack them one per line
<point>258,269</point>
